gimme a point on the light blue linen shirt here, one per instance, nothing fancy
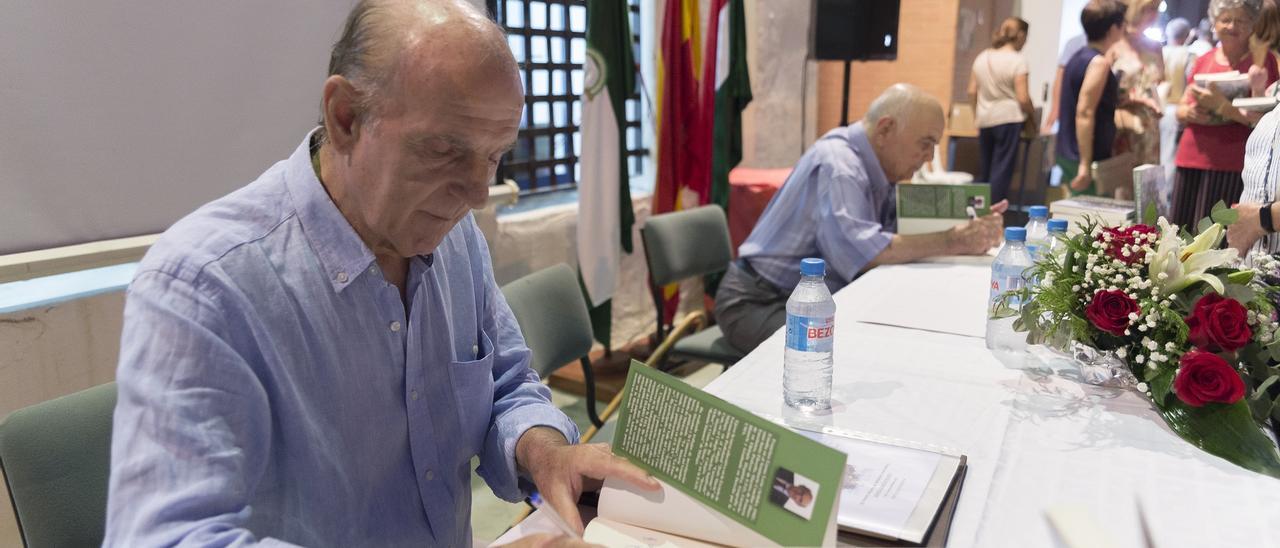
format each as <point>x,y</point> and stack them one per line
<point>837,205</point>
<point>275,389</point>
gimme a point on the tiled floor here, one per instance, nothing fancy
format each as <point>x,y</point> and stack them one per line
<point>490,516</point>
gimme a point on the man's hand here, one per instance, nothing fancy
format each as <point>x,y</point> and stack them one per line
<point>979,235</point>
<point>547,540</point>
<point>562,472</point>
<point>1243,233</point>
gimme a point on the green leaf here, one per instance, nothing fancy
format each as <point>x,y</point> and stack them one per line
<point>1204,225</point>
<point>1240,293</point>
<point>1161,385</point>
<point>1223,215</point>
<point>1227,431</point>
<point>1241,277</point>
<point>1150,215</point>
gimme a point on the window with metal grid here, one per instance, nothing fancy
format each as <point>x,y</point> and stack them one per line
<point>549,40</point>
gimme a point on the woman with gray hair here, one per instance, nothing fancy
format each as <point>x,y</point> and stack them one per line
<point>1211,153</point>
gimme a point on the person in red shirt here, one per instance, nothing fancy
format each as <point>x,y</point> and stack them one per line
<point>1211,154</point>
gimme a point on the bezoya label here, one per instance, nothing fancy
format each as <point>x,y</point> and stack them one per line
<point>808,334</point>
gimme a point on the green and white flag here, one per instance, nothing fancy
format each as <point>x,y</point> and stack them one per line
<point>733,93</point>
<point>604,195</point>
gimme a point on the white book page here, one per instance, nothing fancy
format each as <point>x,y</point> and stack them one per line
<point>606,532</point>
<point>883,484</point>
<point>671,511</point>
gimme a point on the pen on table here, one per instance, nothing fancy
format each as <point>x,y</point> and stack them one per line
<point>536,500</point>
<point>973,214</point>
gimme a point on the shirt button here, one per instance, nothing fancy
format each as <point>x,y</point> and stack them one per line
<point>395,326</point>
<point>430,475</point>
<point>475,350</point>
<point>413,394</point>
<point>341,277</point>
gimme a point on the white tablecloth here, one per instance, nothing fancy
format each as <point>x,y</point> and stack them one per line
<point>1035,439</point>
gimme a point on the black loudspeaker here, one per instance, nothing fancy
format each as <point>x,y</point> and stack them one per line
<point>854,30</point>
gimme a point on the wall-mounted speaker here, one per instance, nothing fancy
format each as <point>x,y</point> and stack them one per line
<point>854,30</point>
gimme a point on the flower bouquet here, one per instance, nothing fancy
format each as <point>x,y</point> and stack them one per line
<point>1197,333</point>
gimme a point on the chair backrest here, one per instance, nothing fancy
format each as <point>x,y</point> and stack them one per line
<point>688,243</point>
<point>552,313</point>
<point>56,458</point>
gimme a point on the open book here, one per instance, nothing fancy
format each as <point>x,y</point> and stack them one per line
<point>733,478</point>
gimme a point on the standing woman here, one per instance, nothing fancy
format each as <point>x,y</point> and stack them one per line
<point>1211,154</point>
<point>998,86</point>
<point>1139,66</point>
<point>1087,128</point>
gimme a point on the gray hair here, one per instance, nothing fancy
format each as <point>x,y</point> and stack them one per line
<point>1177,31</point>
<point>898,103</point>
<point>374,35</point>
<point>1251,7</point>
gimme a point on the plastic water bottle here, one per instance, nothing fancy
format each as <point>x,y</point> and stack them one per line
<point>1054,245</point>
<point>806,369</point>
<point>1007,273</point>
<point>1037,229</point>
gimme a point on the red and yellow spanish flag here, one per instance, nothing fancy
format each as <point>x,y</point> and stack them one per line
<point>679,117</point>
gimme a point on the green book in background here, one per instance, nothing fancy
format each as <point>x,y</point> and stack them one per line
<point>729,477</point>
<point>933,208</point>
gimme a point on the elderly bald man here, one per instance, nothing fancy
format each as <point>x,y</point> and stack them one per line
<point>315,358</point>
<point>839,204</point>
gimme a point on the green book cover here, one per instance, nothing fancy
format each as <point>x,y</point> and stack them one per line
<point>775,482</point>
<point>926,201</point>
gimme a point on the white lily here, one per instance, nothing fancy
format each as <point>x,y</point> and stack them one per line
<point>1186,265</point>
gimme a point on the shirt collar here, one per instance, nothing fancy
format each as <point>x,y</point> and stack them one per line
<point>341,252</point>
<point>857,136</point>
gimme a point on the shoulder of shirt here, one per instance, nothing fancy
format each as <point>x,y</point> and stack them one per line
<point>834,151</point>
<point>188,248</point>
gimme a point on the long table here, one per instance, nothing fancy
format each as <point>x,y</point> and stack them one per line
<point>1037,440</point>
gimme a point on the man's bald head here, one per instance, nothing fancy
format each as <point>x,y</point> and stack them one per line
<point>904,124</point>
<point>902,102</point>
<point>381,37</point>
<point>423,101</point>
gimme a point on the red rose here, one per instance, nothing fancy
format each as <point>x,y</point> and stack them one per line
<point>1127,236</point>
<point>1109,311</point>
<point>1219,324</point>
<point>1204,377</point>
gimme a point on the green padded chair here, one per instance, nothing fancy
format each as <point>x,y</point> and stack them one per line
<point>56,457</point>
<point>553,316</point>
<point>682,245</point>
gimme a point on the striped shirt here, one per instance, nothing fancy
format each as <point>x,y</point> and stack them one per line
<point>1262,171</point>
<point>837,205</point>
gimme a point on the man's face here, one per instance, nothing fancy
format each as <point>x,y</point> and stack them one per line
<point>907,146</point>
<point>800,495</point>
<point>431,152</point>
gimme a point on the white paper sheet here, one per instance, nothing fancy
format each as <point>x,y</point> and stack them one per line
<point>883,484</point>
<point>946,298</point>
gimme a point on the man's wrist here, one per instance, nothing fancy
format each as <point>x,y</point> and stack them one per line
<point>534,443</point>
<point>1265,220</point>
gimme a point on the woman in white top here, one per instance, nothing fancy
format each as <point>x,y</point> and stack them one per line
<point>1255,229</point>
<point>998,87</point>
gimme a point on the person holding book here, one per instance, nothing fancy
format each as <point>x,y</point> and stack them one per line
<point>839,205</point>
<point>1090,95</point>
<point>316,358</point>
<point>1211,153</point>
<point>1002,105</point>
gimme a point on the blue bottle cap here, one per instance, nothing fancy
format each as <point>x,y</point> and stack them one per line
<point>1057,225</point>
<point>1038,212</point>
<point>813,267</point>
<point>1015,234</point>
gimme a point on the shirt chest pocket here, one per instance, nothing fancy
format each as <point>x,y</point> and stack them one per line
<point>473,390</point>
